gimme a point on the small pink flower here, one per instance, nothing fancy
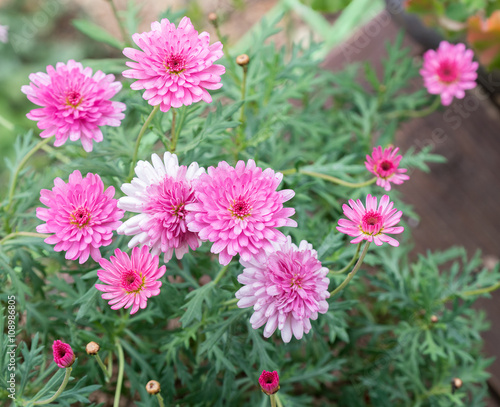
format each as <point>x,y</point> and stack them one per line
<point>269,382</point>
<point>384,164</point>
<point>63,354</point>
<point>160,194</point>
<point>239,209</point>
<point>175,66</point>
<point>449,71</point>
<point>371,224</point>
<point>80,214</point>
<point>287,288</point>
<point>74,103</point>
<point>130,281</point>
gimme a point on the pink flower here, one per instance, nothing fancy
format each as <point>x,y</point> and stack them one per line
<point>130,281</point>
<point>80,214</point>
<point>371,224</point>
<point>175,66</point>
<point>74,103</point>
<point>4,33</point>
<point>239,209</point>
<point>287,288</point>
<point>384,164</point>
<point>63,354</point>
<point>269,382</point>
<point>449,71</point>
<point>160,195</point>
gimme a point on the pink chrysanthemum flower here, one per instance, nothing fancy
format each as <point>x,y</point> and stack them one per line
<point>74,103</point>
<point>371,223</point>
<point>287,289</point>
<point>384,164</point>
<point>130,281</point>
<point>449,71</point>
<point>175,66</point>
<point>63,354</point>
<point>4,33</point>
<point>160,195</point>
<point>80,214</point>
<point>239,209</point>
<point>269,382</point>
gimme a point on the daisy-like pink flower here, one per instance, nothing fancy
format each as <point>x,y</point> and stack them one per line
<point>449,71</point>
<point>239,209</point>
<point>269,382</point>
<point>80,214</point>
<point>384,164</point>
<point>63,354</point>
<point>130,281</point>
<point>371,223</point>
<point>175,66</point>
<point>287,288</point>
<point>160,194</point>
<point>74,103</point>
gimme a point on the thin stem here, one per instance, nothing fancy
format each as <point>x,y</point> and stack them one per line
<point>220,275</point>
<point>173,143</point>
<point>107,374</point>
<point>59,391</point>
<point>416,113</point>
<point>29,234</point>
<point>139,137</point>
<point>5,123</point>
<point>57,154</point>
<point>123,31</point>
<point>353,272</point>
<point>335,180</point>
<point>230,302</point>
<point>240,139</point>
<point>278,400</point>
<point>110,362</point>
<point>121,363</point>
<point>20,166</point>
<point>343,270</point>
<point>484,290</point>
<point>273,400</point>
<point>160,400</point>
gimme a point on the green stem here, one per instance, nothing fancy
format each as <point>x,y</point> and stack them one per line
<point>230,302</point>
<point>220,275</point>
<point>121,363</point>
<point>160,400</point>
<point>278,400</point>
<point>173,143</point>
<point>107,374</point>
<point>139,137</point>
<point>123,31</point>
<point>20,166</point>
<point>57,154</point>
<point>29,234</point>
<point>353,272</point>
<point>59,391</point>
<point>416,113</point>
<point>343,270</point>
<point>273,400</point>
<point>7,124</point>
<point>484,290</point>
<point>335,180</point>
<point>240,139</point>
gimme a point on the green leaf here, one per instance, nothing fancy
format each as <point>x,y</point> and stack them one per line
<point>97,33</point>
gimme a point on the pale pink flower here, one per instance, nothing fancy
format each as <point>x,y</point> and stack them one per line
<point>160,194</point>
<point>269,382</point>
<point>175,66</point>
<point>4,33</point>
<point>239,209</point>
<point>287,288</point>
<point>449,71</point>
<point>371,223</point>
<point>74,103</point>
<point>130,281</point>
<point>384,164</point>
<point>63,354</point>
<point>80,214</point>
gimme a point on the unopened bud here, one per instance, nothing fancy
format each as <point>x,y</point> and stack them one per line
<point>269,382</point>
<point>92,348</point>
<point>153,387</point>
<point>242,60</point>
<point>456,383</point>
<point>434,319</point>
<point>212,17</point>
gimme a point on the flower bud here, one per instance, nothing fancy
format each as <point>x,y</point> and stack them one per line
<point>269,382</point>
<point>63,354</point>
<point>153,387</point>
<point>456,383</point>
<point>242,60</point>
<point>434,319</point>
<point>92,348</point>
<point>212,17</point>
